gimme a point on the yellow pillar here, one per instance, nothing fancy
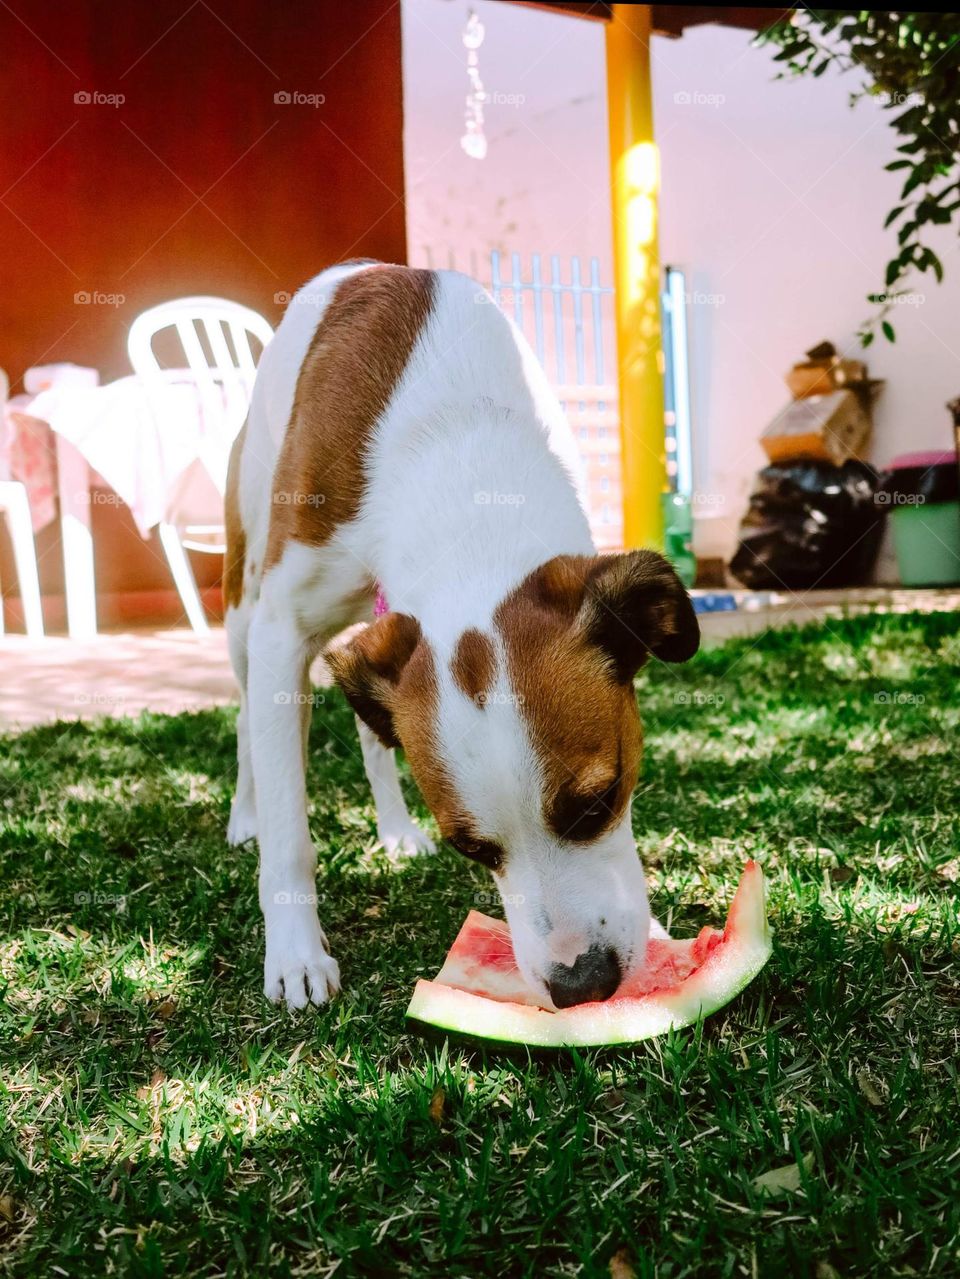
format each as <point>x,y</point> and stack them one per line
<point>635,181</point>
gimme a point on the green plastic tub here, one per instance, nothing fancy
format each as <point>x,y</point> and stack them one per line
<point>923,497</point>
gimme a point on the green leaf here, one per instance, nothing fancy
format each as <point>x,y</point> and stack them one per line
<point>888,332</point>
<point>926,260</point>
<point>904,123</point>
<point>917,177</point>
<point>785,1180</point>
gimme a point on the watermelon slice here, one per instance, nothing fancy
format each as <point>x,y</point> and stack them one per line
<point>480,993</point>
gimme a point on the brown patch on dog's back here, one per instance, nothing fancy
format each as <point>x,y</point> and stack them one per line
<point>355,360</point>
<point>236,538</point>
<point>582,722</point>
<point>474,665</point>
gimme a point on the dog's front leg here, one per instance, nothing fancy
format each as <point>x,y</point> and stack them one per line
<point>298,966</point>
<point>397,831</point>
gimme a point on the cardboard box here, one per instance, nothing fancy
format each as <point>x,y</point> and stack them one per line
<point>820,377</point>
<point>832,427</point>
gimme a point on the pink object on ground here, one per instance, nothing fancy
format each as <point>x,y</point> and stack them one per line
<point>932,457</point>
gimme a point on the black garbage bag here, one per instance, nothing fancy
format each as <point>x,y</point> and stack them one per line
<point>810,524</point>
<point>928,484</point>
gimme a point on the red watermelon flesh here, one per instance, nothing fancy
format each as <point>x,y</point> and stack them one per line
<point>481,993</point>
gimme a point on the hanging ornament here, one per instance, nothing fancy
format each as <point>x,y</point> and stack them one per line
<point>474,140</point>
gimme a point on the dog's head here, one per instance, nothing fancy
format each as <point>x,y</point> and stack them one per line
<point>525,742</point>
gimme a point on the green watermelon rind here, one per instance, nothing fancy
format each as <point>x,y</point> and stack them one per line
<point>725,973</point>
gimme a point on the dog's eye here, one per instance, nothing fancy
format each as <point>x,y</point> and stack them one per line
<point>583,817</point>
<point>484,851</point>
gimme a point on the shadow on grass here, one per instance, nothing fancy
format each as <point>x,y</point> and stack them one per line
<point>405,1160</point>
<point>161,1119</point>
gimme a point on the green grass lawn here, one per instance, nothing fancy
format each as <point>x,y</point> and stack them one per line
<point>161,1119</point>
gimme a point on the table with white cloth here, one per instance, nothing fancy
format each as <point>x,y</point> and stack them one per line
<point>162,447</point>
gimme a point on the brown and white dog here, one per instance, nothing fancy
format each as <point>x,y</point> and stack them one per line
<point>401,433</point>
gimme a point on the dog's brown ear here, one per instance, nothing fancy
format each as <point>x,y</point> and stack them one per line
<point>634,604</point>
<point>369,666</point>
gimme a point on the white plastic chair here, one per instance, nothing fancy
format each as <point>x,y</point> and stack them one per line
<point>15,505</point>
<point>223,371</point>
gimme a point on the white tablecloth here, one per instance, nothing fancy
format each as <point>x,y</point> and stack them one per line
<point>158,446</point>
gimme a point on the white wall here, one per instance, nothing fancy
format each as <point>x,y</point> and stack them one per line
<point>543,186</point>
<point>773,197</point>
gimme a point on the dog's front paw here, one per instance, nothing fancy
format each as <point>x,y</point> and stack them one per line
<point>299,968</point>
<point>242,825</point>
<point>406,840</point>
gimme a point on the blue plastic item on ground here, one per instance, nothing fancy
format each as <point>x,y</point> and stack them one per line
<point>715,602</point>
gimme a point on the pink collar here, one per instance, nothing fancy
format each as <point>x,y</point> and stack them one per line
<point>380,605</point>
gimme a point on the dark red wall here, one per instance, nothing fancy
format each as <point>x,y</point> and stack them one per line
<point>199,181</point>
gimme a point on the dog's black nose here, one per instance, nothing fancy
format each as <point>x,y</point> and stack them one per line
<point>594,975</point>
